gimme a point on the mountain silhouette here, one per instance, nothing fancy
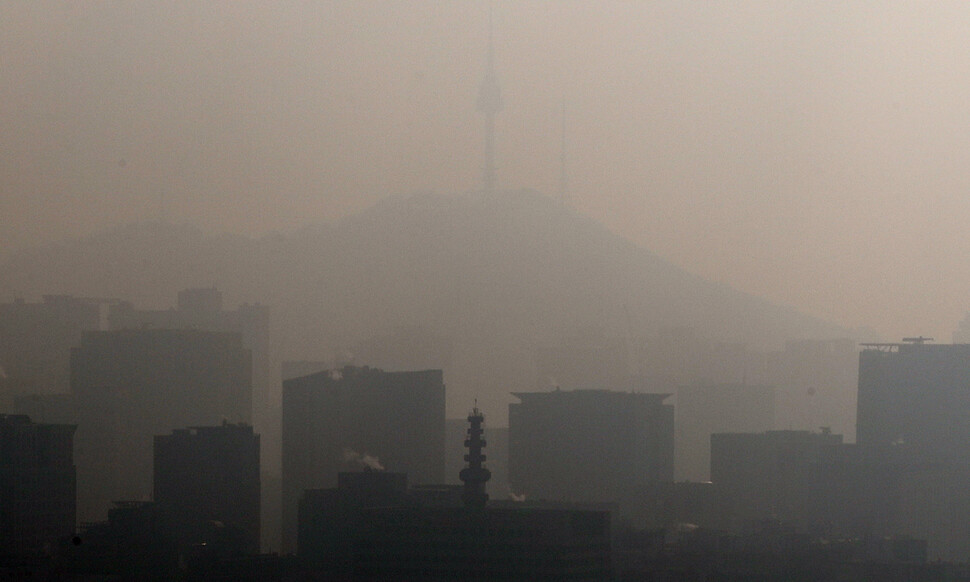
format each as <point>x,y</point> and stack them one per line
<point>492,279</point>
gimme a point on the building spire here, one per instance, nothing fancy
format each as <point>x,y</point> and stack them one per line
<point>490,103</point>
<point>563,190</point>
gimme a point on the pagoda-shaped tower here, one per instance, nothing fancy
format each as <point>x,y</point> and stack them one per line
<point>475,476</point>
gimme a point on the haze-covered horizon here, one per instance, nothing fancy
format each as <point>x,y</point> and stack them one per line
<point>814,155</point>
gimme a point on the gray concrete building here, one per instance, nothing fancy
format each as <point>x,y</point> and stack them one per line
<point>209,474</point>
<point>37,486</point>
<point>341,420</point>
<point>130,385</point>
<point>589,445</point>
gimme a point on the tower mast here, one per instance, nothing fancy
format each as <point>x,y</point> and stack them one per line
<point>563,191</point>
<point>490,103</point>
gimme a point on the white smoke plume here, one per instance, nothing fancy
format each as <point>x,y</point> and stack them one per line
<point>514,497</point>
<point>365,460</point>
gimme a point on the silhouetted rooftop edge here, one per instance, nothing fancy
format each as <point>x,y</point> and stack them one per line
<point>592,393</point>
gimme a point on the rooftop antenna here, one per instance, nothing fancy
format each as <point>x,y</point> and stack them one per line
<point>490,103</point>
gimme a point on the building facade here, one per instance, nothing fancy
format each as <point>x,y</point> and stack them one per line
<point>916,395</point>
<point>37,485</point>
<point>705,409</point>
<point>345,419</point>
<point>36,341</point>
<point>202,309</point>
<point>209,474</point>
<point>774,474</point>
<point>589,445</point>
<point>130,385</point>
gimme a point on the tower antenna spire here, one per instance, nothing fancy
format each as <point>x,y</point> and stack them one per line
<point>490,103</point>
<point>563,190</point>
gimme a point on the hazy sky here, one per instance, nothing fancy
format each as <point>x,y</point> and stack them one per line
<point>815,153</point>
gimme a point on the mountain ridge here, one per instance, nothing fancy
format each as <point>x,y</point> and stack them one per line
<point>499,277</point>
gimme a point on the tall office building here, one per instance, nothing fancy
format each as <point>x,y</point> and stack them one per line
<point>202,309</point>
<point>915,395</point>
<point>772,474</point>
<point>46,408</point>
<point>36,341</point>
<point>589,445</point>
<point>37,485</point>
<point>961,335</point>
<point>344,419</point>
<point>705,409</point>
<point>130,385</point>
<point>209,474</point>
<point>815,384</point>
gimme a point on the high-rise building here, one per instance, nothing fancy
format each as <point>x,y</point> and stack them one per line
<point>202,309</point>
<point>705,409</point>
<point>37,485</point>
<point>915,394</point>
<point>771,474</point>
<point>36,341</point>
<point>961,335</point>
<point>329,520</point>
<point>209,474</point>
<point>290,369</point>
<point>815,384</point>
<point>46,408</point>
<point>344,419</point>
<point>130,385</point>
<point>589,445</point>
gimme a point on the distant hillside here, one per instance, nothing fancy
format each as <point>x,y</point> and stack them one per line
<point>496,277</point>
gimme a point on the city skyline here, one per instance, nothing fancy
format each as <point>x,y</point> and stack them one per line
<point>266,270</point>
